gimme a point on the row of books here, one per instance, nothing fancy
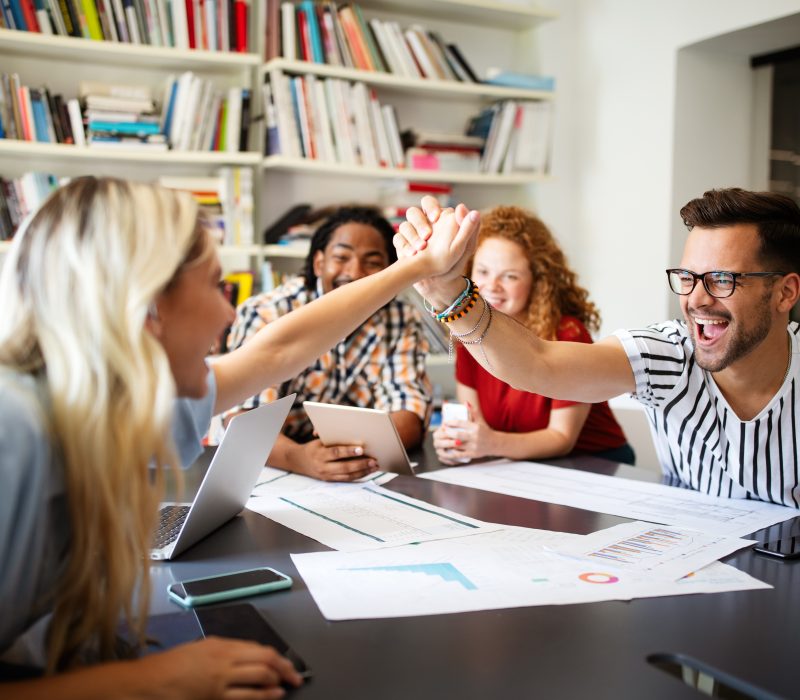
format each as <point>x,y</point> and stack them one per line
<point>320,32</point>
<point>227,200</point>
<point>195,116</point>
<point>214,25</point>
<point>518,136</point>
<point>330,120</point>
<point>20,196</point>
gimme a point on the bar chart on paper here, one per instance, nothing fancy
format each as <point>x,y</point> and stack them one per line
<point>445,571</point>
<point>653,543</point>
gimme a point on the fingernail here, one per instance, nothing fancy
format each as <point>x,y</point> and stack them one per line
<point>372,464</point>
<point>458,443</point>
<point>358,451</point>
<point>473,215</point>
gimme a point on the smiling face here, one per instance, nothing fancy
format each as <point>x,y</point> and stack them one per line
<point>726,330</point>
<point>501,270</point>
<point>354,251</point>
<point>191,314</point>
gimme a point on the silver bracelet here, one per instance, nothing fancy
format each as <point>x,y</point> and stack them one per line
<point>459,336</point>
<point>479,341</point>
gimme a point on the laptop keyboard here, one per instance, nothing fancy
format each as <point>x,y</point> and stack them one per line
<point>171,520</point>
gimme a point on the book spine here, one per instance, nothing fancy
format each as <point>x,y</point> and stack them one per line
<point>92,20</point>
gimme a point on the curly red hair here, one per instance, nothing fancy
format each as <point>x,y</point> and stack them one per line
<point>555,291</point>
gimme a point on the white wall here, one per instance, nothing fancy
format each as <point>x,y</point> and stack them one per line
<point>616,63</point>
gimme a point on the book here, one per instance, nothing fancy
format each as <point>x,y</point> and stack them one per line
<point>459,57</point>
<point>76,122</point>
<point>288,33</point>
<point>520,80</point>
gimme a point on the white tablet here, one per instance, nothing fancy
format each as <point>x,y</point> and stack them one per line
<point>348,425</point>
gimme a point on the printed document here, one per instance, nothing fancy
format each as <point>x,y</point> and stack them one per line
<point>356,516</point>
<point>513,567</point>
<point>665,552</point>
<point>637,500</point>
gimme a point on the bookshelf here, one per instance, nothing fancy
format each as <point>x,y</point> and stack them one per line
<point>497,32</point>
<point>302,166</point>
<point>394,83</point>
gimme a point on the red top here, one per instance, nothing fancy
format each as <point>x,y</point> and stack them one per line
<point>512,411</point>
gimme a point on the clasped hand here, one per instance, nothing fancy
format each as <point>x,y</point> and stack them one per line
<point>460,441</point>
<point>445,239</point>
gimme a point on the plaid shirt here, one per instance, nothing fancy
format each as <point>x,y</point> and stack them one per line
<point>381,365</point>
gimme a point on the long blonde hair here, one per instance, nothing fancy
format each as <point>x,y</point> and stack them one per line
<point>77,286</point>
<point>555,291</point>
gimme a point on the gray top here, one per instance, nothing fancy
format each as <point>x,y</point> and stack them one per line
<point>34,515</point>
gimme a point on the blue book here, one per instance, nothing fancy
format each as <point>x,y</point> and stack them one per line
<point>314,33</point>
<point>170,107</point>
<point>135,128</point>
<point>522,80</point>
<point>19,18</point>
<point>39,117</point>
<point>8,16</point>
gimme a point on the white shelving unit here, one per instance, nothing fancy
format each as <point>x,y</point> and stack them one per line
<point>438,105</point>
<point>302,166</point>
<point>389,82</point>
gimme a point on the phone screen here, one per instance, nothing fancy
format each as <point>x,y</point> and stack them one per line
<point>787,548</point>
<point>217,584</point>
<point>244,622</point>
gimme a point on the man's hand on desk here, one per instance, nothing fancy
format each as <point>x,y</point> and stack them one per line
<point>332,463</point>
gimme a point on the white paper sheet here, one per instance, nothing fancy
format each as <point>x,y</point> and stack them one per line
<point>356,516</point>
<point>638,500</point>
<point>665,552</point>
<point>504,569</point>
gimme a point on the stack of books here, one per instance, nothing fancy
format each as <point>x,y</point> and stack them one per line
<point>320,32</point>
<point>518,136</point>
<point>199,117</point>
<point>20,196</point>
<point>35,114</point>
<point>226,199</point>
<point>445,152</point>
<point>121,116</point>
<point>330,120</point>
<point>185,24</point>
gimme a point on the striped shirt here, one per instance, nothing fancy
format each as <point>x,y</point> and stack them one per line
<point>698,437</point>
<point>380,365</point>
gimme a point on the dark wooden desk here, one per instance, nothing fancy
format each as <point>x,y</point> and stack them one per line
<point>596,650</point>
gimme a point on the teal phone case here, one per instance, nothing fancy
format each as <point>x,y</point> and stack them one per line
<point>190,601</point>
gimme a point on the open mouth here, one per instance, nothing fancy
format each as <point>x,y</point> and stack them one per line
<point>710,329</point>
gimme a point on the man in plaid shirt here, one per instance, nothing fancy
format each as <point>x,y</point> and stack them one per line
<point>381,365</point>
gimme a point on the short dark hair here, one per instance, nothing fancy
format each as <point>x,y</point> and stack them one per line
<point>775,216</point>
<point>345,215</point>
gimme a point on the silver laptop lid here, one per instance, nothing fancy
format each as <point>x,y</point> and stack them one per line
<point>233,472</point>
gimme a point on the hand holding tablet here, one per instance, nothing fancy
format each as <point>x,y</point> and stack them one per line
<point>374,429</point>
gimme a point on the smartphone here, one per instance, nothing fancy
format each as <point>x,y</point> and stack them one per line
<point>239,584</point>
<point>787,548</point>
<point>454,411</point>
<point>243,621</point>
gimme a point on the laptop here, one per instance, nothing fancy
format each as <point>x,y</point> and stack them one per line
<point>228,483</point>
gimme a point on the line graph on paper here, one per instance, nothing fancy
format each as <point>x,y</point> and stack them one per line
<point>443,570</point>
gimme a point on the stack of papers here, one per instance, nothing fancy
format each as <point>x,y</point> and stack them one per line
<point>401,557</point>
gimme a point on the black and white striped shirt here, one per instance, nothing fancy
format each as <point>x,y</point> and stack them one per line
<point>698,437</point>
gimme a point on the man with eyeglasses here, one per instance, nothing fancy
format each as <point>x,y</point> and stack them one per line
<point>720,387</point>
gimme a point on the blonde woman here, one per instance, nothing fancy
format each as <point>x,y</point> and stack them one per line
<point>110,303</point>
<point>522,272</point>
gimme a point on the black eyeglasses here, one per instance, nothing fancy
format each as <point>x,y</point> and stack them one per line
<point>718,283</point>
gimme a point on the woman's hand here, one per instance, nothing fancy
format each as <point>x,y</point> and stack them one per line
<point>459,441</point>
<point>444,239</point>
<point>217,668</point>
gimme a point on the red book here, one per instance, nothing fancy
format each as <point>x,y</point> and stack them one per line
<point>431,187</point>
<point>29,13</point>
<point>306,53</point>
<point>190,23</point>
<point>240,12</point>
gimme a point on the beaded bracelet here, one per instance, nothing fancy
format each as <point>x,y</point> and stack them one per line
<point>445,317</point>
<point>468,291</point>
